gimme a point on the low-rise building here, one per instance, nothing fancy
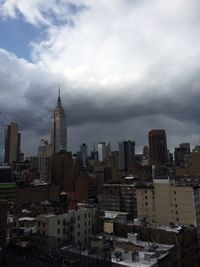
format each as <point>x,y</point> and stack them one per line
<point>74,226</point>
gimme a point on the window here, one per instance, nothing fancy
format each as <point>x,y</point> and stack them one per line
<point>43,224</point>
<point>85,232</point>
<point>78,225</point>
<point>174,192</point>
<point>58,231</point>
<point>85,223</point>
<point>58,221</point>
<point>38,224</point>
<point>78,234</point>
<point>78,217</point>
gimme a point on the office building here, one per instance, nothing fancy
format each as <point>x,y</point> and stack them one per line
<point>83,155</point>
<point>13,141</point>
<point>158,146</point>
<point>126,154</point>
<point>2,139</point>
<point>102,151</point>
<point>44,160</point>
<point>59,128</point>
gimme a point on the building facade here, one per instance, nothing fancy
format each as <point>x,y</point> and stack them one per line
<point>126,154</point>
<point>74,227</point>
<point>169,202</point>
<point>83,154</point>
<point>158,146</point>
<point>13,141</point>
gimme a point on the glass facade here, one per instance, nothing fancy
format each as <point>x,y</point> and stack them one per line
<point>2,138</point>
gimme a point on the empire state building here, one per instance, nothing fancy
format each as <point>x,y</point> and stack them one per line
<point>59,127</point>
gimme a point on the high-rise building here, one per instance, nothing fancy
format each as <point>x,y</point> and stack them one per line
<point>2,139</point>
<point>13,141</point>
<point>158,146</point>
<point>126,154</point>
<point>83,154</point>
<point>102,151</point>
<point>59,128</point>
<point>44,160</point>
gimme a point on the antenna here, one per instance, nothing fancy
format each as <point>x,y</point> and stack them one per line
<point>59,90</point>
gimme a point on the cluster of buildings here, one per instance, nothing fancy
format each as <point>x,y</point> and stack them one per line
<point>103,208</point>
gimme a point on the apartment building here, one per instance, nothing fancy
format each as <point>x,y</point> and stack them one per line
<point>75,226</point>
<point>169,202</point>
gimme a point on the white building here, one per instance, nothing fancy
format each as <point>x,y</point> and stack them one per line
<point>75,226</point>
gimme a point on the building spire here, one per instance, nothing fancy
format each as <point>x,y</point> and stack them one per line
<point>59,98</point>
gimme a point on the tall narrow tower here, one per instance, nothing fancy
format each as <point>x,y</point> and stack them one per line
<point>59,127</point>
<point>12,145</point>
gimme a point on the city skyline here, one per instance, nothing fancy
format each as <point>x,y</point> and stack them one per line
<point>125,68</point>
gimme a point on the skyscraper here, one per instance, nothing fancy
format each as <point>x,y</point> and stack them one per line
<point>2,139</point>
<point>158,146</point>
<point>13,141</point>
<point>59,128</point>
<point>83,154</point>
<point>102,151</point>
<point>126,154</point>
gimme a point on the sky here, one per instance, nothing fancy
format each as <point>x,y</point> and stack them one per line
<point>124,66</point>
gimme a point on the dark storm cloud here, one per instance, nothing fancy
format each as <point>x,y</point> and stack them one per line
<point>178,99</point>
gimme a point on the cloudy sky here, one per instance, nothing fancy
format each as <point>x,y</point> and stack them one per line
<point>125,67</point>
